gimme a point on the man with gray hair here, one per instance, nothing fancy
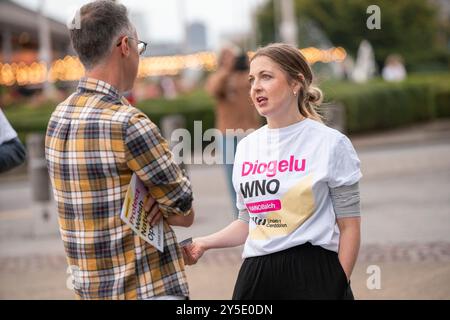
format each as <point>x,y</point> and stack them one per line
<point>95,141</point>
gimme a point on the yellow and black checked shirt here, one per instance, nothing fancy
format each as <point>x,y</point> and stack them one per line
<point>95,141</point>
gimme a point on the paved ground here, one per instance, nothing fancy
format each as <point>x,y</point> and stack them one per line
<point>405,229</point>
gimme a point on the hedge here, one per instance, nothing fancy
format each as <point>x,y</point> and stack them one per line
<point>371,106</point>
<point>380,105</point>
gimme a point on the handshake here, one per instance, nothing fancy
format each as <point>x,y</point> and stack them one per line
<point>192,250</point>
<point>233,235</point>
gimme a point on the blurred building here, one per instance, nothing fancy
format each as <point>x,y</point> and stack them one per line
<point>164,49</point>
<point>19,35</point>
<point>196,37</point>
<point>240,38</point>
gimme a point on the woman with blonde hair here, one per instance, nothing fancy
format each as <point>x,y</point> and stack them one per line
<point>296,182</point>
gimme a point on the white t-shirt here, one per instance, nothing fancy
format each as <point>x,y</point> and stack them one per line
<point>282,177</point>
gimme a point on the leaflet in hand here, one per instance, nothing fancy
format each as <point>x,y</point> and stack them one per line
<point>134,215</point>
<point>185,242</point>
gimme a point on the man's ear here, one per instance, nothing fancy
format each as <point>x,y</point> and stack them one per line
<point>124,47</point>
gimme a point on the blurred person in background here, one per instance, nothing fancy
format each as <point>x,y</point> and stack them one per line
<point>95,141</point>
<point>168,87</point>
<point>233,111</point>
<point>12,151</point>
<point>394,70</point>
<point>297,184</point>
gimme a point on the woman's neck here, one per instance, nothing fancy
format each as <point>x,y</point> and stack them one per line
<point>284,120</point>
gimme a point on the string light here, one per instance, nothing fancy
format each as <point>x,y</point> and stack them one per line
<point>70,68</point>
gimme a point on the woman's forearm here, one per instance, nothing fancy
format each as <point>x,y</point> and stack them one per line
<point>349,243</point>
<point>235,234</point>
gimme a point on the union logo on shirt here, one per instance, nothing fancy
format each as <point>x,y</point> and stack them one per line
<point>296,206</point>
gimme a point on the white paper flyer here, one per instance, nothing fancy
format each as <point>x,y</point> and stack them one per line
<point>134,215</point>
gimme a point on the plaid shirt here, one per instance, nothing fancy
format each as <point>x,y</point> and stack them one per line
<point>95,141</point>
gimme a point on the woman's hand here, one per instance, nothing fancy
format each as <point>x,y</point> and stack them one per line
<point>232,235</point>
<point>193,251</point>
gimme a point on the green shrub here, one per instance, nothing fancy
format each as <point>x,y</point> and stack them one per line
<point>197,106</point>
<point>442,103</point>
<point>381,105</point>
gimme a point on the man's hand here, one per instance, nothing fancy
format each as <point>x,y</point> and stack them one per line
<point>151,206</point>
<point>227,60</point>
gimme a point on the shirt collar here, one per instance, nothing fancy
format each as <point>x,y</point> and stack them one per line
<point>99,86</point>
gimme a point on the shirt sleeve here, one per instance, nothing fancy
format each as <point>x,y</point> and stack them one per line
<point>149,156</point>
<point>243,212</point>
<point>244,216</point>
<point>7,133</point>
<point>344,166</point>
<point>346,201</point>
<point>240,205</point>
<point>12,154</point>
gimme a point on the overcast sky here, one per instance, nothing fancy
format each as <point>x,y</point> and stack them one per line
<point>162,18</point>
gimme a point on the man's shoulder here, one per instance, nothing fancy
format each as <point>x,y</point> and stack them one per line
<point>85,106</point>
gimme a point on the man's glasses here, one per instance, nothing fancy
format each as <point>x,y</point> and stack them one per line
<point>141,45</point>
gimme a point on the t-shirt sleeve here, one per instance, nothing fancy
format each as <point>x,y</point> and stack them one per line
<point>240,205</point>
<point>344,166</point>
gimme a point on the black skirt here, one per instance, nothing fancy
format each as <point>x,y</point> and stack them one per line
<point>302,272</point>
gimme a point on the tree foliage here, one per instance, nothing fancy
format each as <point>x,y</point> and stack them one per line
<point>408,27</point>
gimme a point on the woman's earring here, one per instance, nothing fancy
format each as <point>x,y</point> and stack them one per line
<point>295,93</point>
